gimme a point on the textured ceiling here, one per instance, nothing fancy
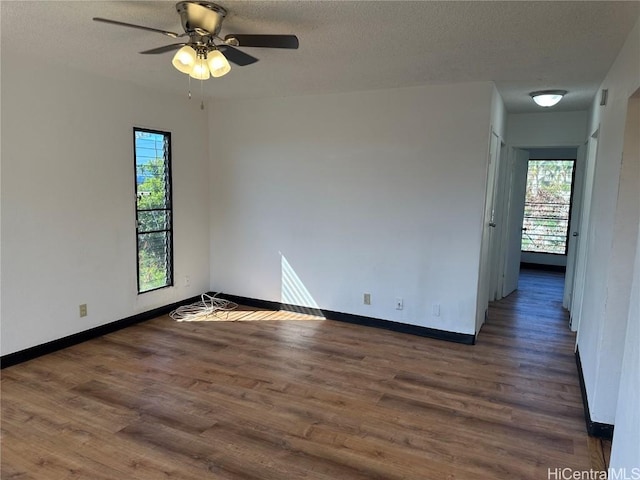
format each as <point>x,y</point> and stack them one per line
<point>347,46</point>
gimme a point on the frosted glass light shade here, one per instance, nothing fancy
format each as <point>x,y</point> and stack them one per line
<point>184,59</point>
<point>548,98</point>
<point>218,64</point>
<point>200,71</point>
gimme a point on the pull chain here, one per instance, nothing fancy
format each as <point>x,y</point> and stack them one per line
<point>201,94</point>
<point>189,86</point>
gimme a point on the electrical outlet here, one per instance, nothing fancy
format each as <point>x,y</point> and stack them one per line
<point>367,299</point>
<point>435,309</point>
<point>83,310</point>
<point>399,303</point>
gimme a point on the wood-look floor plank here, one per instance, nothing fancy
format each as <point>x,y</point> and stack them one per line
<point>257,394</point>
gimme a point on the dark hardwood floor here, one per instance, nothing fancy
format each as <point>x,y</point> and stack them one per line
<point>276,395</point>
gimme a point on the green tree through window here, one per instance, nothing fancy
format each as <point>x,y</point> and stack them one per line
<point>153,209</point>
<point>547,206</point>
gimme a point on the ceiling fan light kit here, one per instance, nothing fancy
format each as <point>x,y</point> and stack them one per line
<point>198,64</point>
<point>184,59</point>
<point>200,70</point>
<point>218,64</point>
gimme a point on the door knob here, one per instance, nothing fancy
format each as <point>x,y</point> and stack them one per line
<point>574,234</point>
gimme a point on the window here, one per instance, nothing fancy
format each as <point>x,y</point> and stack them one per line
<point>547,206</point>
<point>154,223</point>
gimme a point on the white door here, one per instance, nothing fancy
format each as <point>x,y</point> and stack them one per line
<point>495,223</point>
<point>484,285</point>
<point>505,174</point>
<point>500,230</point>
<point>574,225</point>
<point>582,247</point>
<point>515,215</point>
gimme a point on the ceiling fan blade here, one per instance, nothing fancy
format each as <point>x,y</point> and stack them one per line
<point>140,27</point>
<point>265,41</point>
<point>164,49</point>
<point>236,56</point>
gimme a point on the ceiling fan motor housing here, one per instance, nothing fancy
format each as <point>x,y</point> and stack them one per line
<point>201,18</point>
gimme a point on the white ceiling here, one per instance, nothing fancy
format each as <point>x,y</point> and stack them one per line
<point>347,45</point>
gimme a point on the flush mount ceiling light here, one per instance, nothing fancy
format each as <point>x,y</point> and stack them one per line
<point>548,98</point>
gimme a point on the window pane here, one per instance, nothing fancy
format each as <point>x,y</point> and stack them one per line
<point>153,209</point>
<point>153,220</point>
<point>547,206</point>
<point>153,258</point>
<point>151,185</point>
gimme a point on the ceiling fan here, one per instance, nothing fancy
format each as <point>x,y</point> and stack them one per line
<point>204,53</point>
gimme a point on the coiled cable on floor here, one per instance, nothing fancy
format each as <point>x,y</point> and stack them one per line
<point>207,307</point>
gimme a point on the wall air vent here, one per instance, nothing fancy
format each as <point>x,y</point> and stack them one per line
<point>603,97</point>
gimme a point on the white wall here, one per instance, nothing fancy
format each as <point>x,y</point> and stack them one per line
<point>626,437</point>
<point>626,441</point>
<point>68,213</point>
<point>553,153</point>
<point>547,129</point>
<point>543,259</point>
<point>603,318</point>
<point>379,192</point>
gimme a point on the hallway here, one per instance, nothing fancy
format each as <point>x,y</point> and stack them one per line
<point>534,318</point>
<point>530,331</point>
<point>534,312</point>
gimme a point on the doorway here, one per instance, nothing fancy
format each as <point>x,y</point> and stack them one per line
<point>547,213</point>
<point>543,212</point>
